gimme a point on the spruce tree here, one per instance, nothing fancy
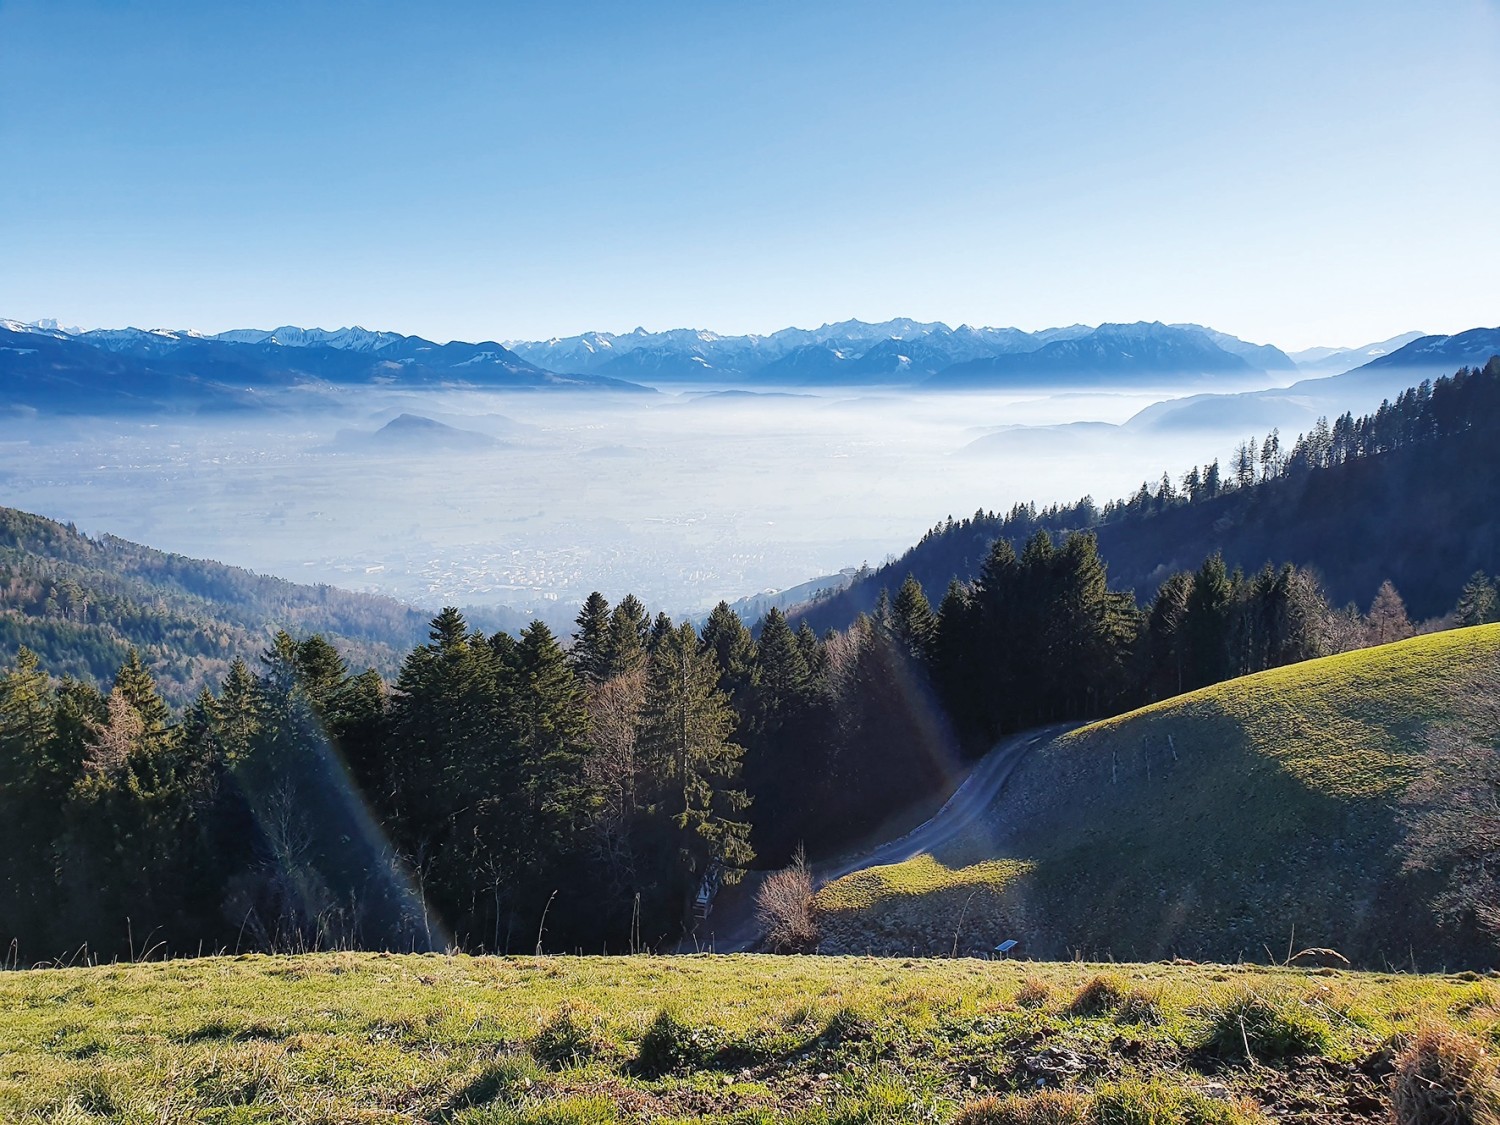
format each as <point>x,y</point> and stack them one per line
<point>693,764</point>
<point>725,635</point>
<point>135,684</point>
<point>1209,606</point>
<point>590,654</point>
<point>1478,603</point>
<point>625,647</point>
<point>913,623</point>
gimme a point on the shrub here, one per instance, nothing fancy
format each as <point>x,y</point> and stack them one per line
<point>1100,994</point>
<point>784,908</point>
<point>1444,1077</point>
<point>1269,1027</point>
<point>1049,1107</point>
<point>1034,992</point>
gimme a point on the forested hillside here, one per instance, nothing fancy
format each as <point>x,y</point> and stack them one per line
<point>1409,494</point>
<point>82,604</point>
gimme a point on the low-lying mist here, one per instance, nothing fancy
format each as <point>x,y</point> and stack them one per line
<point>532,500</point>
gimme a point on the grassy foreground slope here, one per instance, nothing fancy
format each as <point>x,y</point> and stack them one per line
<point>1243,817</point>
<point>743,1039</point>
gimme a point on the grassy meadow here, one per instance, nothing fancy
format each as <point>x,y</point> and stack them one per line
<point>1225,823</point>
<point>332,1038</point>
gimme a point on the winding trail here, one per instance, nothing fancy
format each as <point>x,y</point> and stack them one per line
<point>732,927</point>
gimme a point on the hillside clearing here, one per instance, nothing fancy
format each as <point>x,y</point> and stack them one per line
<point>1217,824</point>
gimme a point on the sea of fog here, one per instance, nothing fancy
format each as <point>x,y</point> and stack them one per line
<point>682,497</point>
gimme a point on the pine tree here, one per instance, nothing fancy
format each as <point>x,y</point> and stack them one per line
<point>661,629</point>
<point>686,743</point>
<point>1167,643</point>
<point>321,671</point>
<point>135,684</point>
<point>725,635</point>
<point>626,643</point>
<point>913,623</point>
<point>31,791</point>
<point>1479,602</point>
<point>590,654</point>
<point>1210,604</point>
<point>550,746</point>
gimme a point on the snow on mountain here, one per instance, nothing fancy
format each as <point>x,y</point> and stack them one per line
<point>354,339</point>
<point>1334,361</point>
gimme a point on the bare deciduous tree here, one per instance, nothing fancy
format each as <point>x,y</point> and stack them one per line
<point>1452,809</point>
<point>611,768</point>
<point>784,908</point>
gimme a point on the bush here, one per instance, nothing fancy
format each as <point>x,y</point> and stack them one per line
<point>1034,993</point>
<point>1049,1107</point>
<point>1444,1077</point>
<point>1270,1027</point>
<point>1100,994</point>
<point>784,908</point>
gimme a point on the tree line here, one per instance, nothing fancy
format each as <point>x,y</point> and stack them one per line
<point>505,793</point>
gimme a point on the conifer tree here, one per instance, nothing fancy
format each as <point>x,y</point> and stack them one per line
<point>551,728</point>
<point>626,641</point>
<point>137,687</point>
<point>694,766</point>
<point>590,654</point>
<point>1209,606</point>
<point>31,790</point>
<point>661,629</point>
<point>725,635</point>
<point>1478,603</point>
<point>913,623</point>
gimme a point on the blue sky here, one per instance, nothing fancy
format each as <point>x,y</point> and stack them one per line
<point>1324,173</point>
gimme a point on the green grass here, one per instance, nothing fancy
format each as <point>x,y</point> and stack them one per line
<point>1223,823</point>
<point>812,1041</point>
<point>921,904</point>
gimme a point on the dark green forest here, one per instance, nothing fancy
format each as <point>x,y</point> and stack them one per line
<point>504,792</point>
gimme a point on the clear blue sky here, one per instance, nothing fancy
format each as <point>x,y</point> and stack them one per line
<point>1303,173</point>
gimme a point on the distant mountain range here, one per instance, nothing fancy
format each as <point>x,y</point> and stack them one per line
<point>50,368</point>
<point>906,352</point>
<point>1300,404</point>
<point>131,369</point>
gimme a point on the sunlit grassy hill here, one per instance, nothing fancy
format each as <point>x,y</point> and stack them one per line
<point>746,1040</point>
<point>1247,816</point>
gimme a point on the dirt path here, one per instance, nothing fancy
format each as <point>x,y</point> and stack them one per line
<point>732,927</point>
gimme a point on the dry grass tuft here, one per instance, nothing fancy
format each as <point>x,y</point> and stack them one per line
<point>1101,993</point>
<point>1049,1107</point>
<point>1033,993</point>
<point>1444,1077</point>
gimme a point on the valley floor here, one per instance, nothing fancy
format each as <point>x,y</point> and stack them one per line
<point>349,1037</point>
